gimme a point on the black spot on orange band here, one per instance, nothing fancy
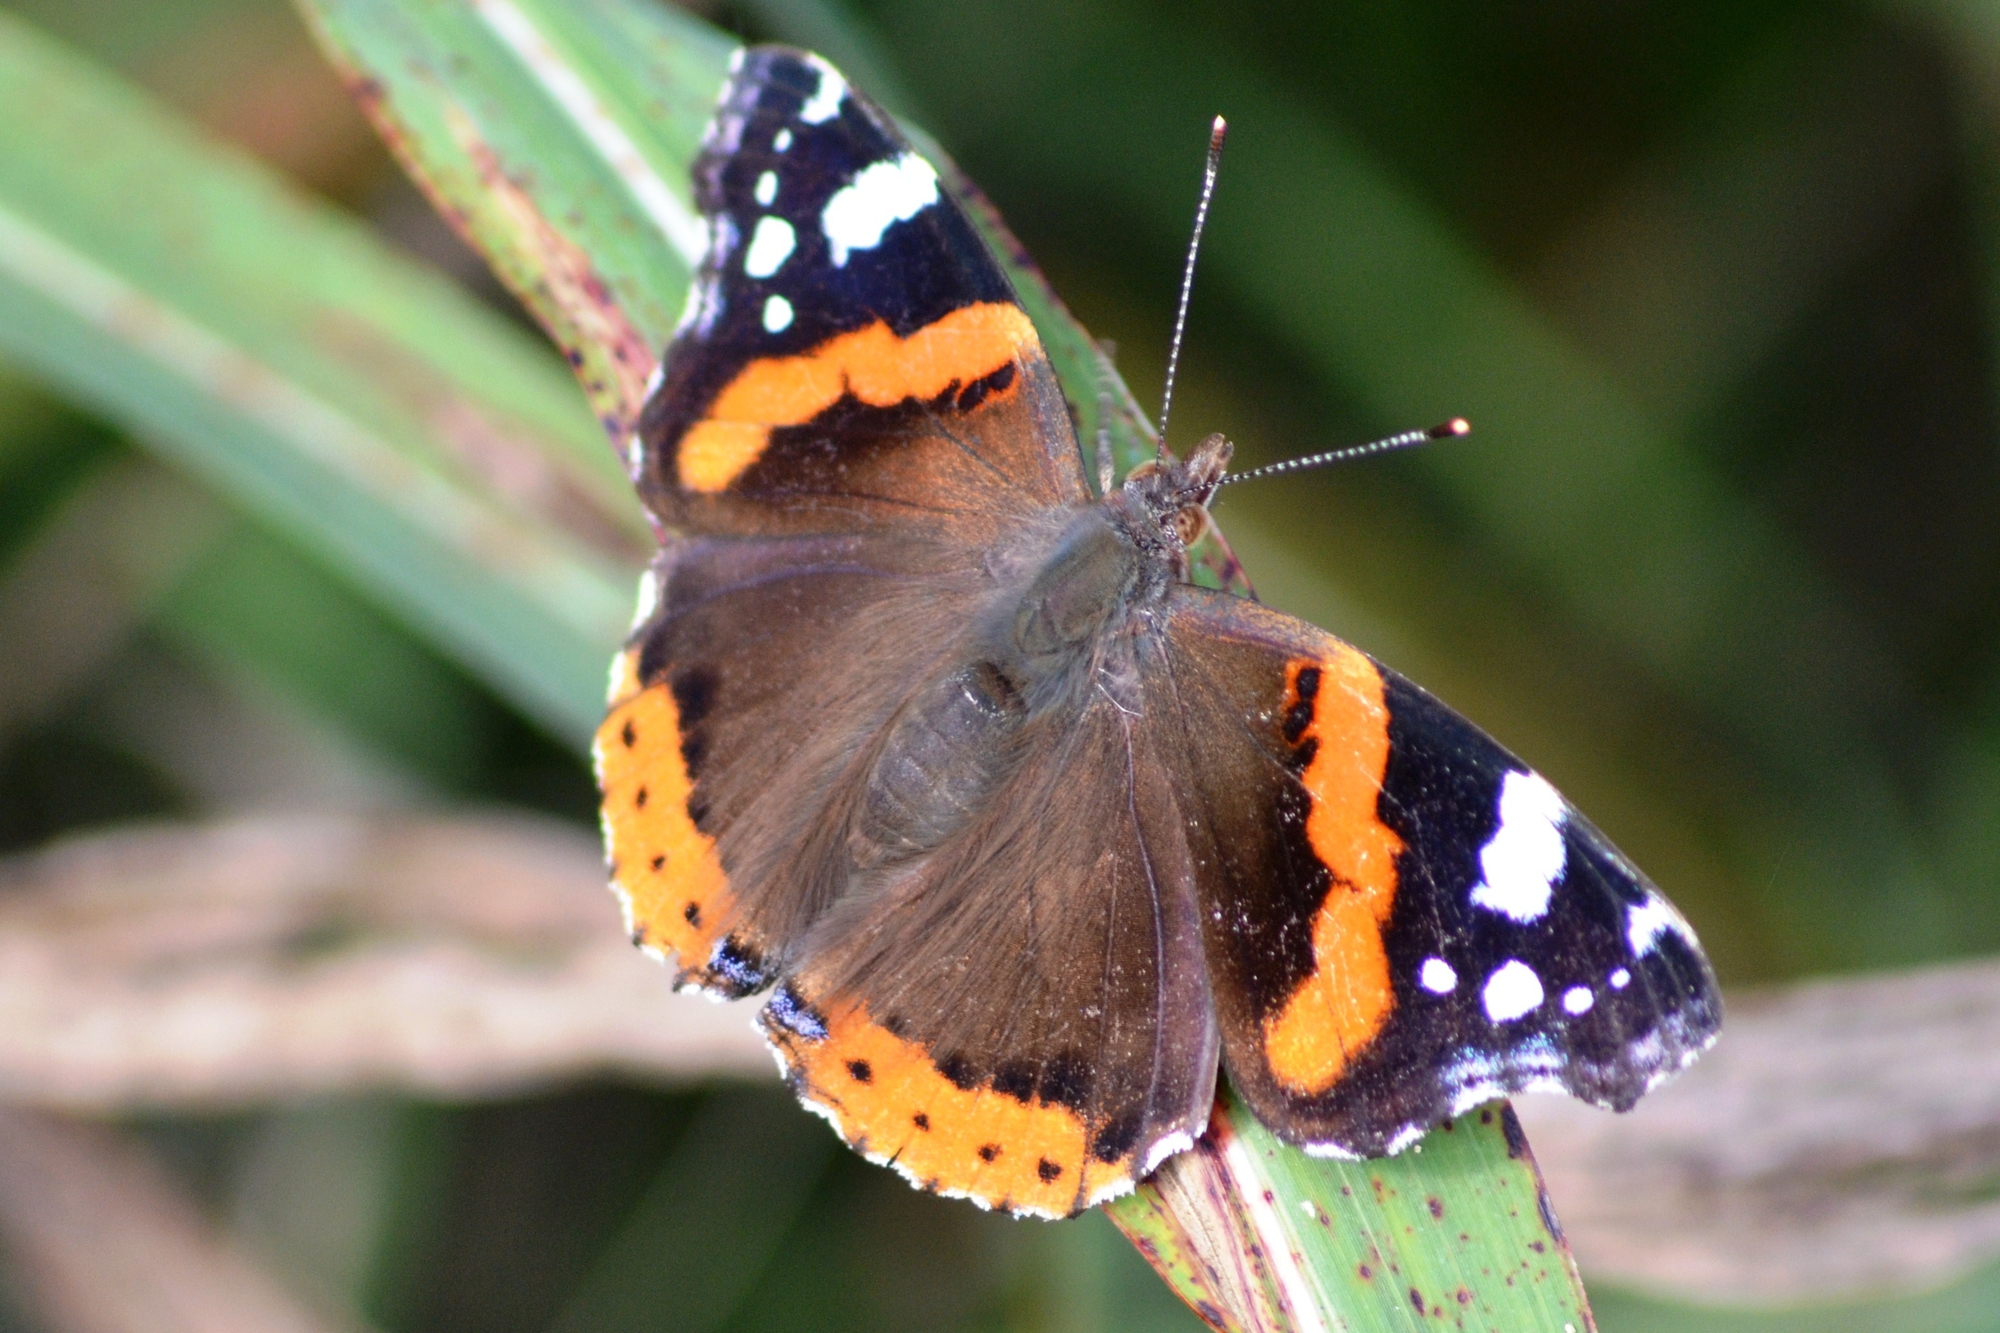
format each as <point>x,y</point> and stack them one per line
<point>1337,716</point>
<point>951,1131</point>
<point>663,866</point>
<point>971,346</point>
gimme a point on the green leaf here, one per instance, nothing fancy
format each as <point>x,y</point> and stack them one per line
<point>556,137</point>
<point>1257,1236</point>
<point>361,403</point>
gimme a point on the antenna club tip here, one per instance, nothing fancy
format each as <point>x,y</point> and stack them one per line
<point>1449,429</point>
<point>1216,132</point>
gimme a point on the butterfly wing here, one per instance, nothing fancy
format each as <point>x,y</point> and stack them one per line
<point>852,356</point>
<point>1402,919</point>
<point>1022,1016</point>
<point>853,414</point>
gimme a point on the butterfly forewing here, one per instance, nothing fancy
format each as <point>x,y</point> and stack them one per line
<point>851,355</point>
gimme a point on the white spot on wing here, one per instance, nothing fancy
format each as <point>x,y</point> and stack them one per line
<point>1512,991</point>
<point>881,194</point>
<point>770,245</point>
<point>1437,976</point>
<point>1524,858</point>
<point>1645,923</point>
<point>1620,979</point>
<point>1578,999</point>
<point>824,104</point>
<point>777,314</point>
<point>781,141</point>
<point>649,597</point>
<point>766,188</point>
<point>690,312</point>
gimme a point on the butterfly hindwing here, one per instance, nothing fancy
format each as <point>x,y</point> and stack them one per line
<point>1404,920</point>
<point>1022,1015</point>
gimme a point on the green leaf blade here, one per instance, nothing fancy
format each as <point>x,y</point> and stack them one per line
<point>557,139</point>
<point>354,399</point>
<point>1257,1236</point>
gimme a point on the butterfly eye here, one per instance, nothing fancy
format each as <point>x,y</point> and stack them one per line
<point>1191,523</point>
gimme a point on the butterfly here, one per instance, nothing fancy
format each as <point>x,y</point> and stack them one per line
<point>1025,833</point>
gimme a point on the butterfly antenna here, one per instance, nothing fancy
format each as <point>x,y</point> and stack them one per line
<point>1215,134</point>
<point>1457,426</point>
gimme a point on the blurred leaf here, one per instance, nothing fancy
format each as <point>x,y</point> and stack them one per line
<point>362,403</point>
<point>76,1204</point>
<point>742,1169</point>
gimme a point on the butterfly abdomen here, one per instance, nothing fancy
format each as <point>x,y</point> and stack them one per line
<point>942,757</point>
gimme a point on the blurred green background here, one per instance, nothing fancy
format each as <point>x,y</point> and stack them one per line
<point>1715,284</point>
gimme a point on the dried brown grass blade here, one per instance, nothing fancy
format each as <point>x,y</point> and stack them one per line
<point>269,959</point>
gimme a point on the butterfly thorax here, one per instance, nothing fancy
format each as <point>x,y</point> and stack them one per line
<point>1065,631</point>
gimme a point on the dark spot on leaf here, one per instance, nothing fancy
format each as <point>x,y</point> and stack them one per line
<point>1364,1272</point>
<point>1510,1126</point>
<point>1436,1206</point>
<point>1548,1211</point>
<point>1462,1296</point>
<point>1417,1300</point>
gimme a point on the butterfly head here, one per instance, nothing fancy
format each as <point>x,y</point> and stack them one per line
<point>1174,493</point>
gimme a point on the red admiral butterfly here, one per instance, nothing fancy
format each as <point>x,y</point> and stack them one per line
<point>1027,830</point>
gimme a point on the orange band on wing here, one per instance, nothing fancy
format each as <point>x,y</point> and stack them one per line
<point>872,364</point>
<point>663,868</point>
<point>1346,1000</point>
<point>889,1100</point>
